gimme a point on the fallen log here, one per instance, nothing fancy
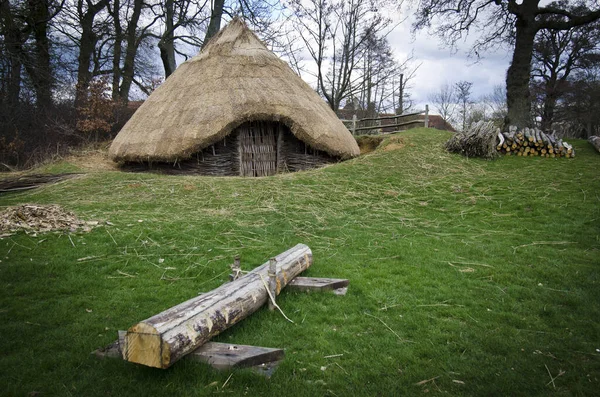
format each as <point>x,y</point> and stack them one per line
<point>595,142</point>
<point>161,340</point>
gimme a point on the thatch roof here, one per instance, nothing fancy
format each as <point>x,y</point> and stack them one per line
<point>233,80</point>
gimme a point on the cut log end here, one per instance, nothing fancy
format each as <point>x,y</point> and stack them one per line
<point>141,343</point>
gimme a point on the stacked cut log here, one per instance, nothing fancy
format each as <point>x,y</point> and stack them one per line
<point>531,142</point>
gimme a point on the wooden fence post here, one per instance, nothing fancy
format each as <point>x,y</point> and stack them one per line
<point>353,124</point>
<point>426,116</point>
<point>236,269</point>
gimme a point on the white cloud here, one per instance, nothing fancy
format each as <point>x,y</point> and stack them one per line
<point>441,64</point>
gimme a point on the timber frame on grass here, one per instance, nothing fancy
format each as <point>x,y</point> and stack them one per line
<point>161,340</point>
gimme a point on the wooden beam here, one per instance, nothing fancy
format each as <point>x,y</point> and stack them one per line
<point>218,355</point>
<point>317,284</point>
<point>161,340</point>
<point>226,355</point>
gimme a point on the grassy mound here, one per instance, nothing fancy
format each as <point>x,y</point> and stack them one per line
<point>467,277</point>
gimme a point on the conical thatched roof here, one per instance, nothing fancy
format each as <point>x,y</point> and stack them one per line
<point>233,80</point>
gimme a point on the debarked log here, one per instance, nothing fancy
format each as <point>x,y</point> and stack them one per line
<point>594,140</point>
<point>166,337</point>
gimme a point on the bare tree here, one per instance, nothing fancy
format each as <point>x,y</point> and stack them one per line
<point>557,54</point>
<point>181,21</point>
<point>495,104</point>
<point>134,23</point>
<point>80,24</point>
<point>463,98</point>
<point>216,15</point>
<point>29,22</point>
<point>380,80</point>
<point>580,110</point>
<point>443,101</point>
<point>502,21</point>
<point>15,35</point>
<point>334,34</point>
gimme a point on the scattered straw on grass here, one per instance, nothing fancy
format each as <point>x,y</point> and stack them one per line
<point>542,243</point>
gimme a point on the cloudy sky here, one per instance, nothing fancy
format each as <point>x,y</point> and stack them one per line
<point>437,63</point>
<point>440,64</point>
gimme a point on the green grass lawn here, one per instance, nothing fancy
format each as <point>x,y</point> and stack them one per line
<point>467,277</point>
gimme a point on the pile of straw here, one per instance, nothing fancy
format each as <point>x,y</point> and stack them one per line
<point>40,218</point>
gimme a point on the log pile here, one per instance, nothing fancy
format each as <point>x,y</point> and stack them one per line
<point>479,140</point>
<point>595,142</point>
<point>484,139</point>
<point>532,142</point>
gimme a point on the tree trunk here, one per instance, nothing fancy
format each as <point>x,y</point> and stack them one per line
<point>166,43</point>
<point>14,48</point>
<point>164,338</point>
<point>548,110</point>
<point>117,49</point>
<point>518,97</point>
<point>215,21</point>
<point>130,53</point>
<point>167,55</point>
<point>40,69</point>
<point>400,108</point>
<point>87,43</point>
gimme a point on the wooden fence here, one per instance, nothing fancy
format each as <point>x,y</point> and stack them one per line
<point>388,124</point>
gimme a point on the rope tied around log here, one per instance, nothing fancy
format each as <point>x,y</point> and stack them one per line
<point>272,300</point>
<point>272,273</point>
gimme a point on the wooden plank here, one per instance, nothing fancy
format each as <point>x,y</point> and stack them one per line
<point>218,355</point>
<point>317,284</point>
<point>161,340</point>
<point>226,355</point>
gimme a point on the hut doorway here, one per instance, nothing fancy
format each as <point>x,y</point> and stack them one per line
<point>258,148</point>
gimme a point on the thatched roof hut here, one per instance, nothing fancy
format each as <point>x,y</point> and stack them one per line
<point>234,109</point>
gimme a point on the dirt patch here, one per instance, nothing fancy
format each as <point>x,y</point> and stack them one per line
<point>371,143</point>
<point>41,218</point>
<point>394,143</point>
<point>368,143</point>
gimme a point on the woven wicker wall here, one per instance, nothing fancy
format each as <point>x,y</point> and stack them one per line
<point>265,148</point>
